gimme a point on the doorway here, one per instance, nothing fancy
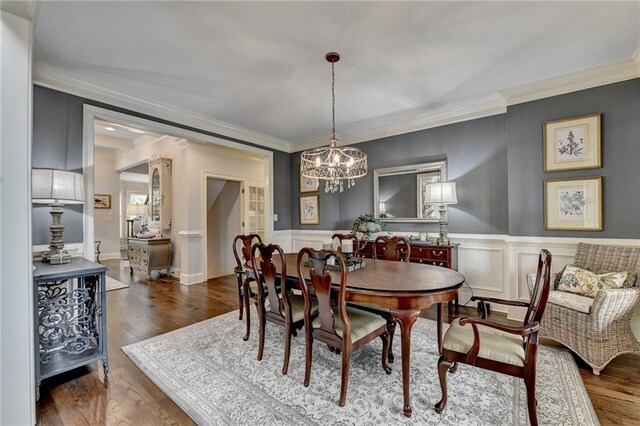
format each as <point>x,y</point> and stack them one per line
<point>224,219</point>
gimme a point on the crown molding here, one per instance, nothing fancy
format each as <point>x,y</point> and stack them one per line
<point>53,78</point>
<point>426,121</point>
<point>581,80</point>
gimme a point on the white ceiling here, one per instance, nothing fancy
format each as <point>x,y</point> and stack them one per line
<point>261,66</point>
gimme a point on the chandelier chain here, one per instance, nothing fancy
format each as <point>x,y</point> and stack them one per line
<point>333,99</point>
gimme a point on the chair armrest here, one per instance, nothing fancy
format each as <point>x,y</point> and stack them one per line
<point>500,301</point>
<point>612,305</point>
<point>519,330</point>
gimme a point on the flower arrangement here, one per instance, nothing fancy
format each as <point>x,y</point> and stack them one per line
<point>367,224</point>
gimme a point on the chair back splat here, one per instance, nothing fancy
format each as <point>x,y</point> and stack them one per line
<point>243,275</point>
<point>277,293</point>
<point>320,280</point>
<point>395,248</point>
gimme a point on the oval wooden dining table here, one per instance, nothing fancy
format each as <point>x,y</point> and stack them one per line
<point>405,289</point>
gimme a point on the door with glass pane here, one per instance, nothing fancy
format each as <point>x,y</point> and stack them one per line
<point>255,223</point>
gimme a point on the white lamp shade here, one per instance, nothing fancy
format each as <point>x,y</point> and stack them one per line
<point>382,207</point>
<point>440,193</point>
<point>56,186</point>
<point>137,210</point>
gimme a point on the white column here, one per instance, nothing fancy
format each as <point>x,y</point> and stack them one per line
<point>17,386</point>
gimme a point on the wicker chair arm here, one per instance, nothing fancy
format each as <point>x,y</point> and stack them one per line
<point>612,305</point>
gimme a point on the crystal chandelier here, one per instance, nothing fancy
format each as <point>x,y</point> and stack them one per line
<point>333,163</point>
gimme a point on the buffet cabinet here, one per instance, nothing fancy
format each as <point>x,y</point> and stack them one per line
<point>149,254</point>
<point>70,317</point>
<point>426,252</point>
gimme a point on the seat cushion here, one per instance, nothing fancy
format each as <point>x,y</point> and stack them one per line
<point>362,323</point>
<point>253,287</point>
<point>297,307</point>
<point>494,344</point>
<point>572,301</point>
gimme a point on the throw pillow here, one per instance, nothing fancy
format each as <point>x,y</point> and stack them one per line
<point>587,283</point>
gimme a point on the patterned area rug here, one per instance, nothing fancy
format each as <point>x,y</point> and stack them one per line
<point>113,284</point>
<point>213,375</point>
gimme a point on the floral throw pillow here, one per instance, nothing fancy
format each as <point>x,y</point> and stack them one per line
<point>587,283</point>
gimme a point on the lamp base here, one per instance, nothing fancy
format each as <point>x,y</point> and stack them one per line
<point>56,258</point>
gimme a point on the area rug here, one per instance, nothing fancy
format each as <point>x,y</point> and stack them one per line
<point>213,375</point>
<point>113,284</point>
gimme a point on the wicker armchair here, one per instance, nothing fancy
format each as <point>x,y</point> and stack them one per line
<point>604,331</point>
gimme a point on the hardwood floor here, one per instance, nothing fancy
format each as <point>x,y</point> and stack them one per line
<point>149,308</point>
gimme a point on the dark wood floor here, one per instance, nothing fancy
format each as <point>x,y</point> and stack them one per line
<point>149,308</point>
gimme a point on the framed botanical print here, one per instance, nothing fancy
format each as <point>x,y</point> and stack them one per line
<point>573,204</point>
<point>102,201</point>
<point>572,143</point>
<point>309,214</point>
<point>308,184</point>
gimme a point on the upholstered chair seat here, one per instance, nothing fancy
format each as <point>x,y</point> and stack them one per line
<point>495,345</point>
<point>362,323</point>
<point>572,301</point>
<point>297,307</point>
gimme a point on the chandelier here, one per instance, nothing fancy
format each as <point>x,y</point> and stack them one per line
<point>333,163</point>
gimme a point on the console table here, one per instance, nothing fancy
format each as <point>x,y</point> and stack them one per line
<point>70,317</point>
<point>148,254</point>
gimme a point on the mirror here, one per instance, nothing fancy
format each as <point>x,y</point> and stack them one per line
<point>399,191</point>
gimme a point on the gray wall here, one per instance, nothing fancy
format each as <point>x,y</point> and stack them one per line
<point>497,165</point>
<point>619,104</point>
<point>476,152</point>
<point>57,143</point>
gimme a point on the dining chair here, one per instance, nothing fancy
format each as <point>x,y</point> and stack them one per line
<point>340,326</point>
<point>505,349</point>
<point>247,286</point>
<point>350,236</point>
<point>395,248</point>
<point>276,302</point>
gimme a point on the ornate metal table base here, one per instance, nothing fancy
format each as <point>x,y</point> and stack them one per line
<point>71,324</point>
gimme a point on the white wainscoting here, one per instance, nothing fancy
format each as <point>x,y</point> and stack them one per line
<point>494,265</point>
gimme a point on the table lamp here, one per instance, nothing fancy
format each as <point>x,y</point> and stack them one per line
<point>56,188</point>
<point>442,194</point>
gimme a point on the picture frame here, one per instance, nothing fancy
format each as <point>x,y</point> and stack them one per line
<point>572,143</point>
<point>426,211</point>
<point>573,204</point>
<point>308,184</point>
<point>309,211</point>
<point>101,201</point>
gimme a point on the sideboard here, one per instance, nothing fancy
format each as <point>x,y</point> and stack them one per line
<point>149,254</point>
<point>427,252</point>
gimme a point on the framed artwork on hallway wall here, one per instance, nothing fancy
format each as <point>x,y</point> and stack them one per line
<point>573,204</point>
<point>102,201</point>
<point>309,212</point>
<point>572,143</point>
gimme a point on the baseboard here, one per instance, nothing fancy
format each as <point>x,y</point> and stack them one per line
<point>110,256</point>
<point>189,279</point>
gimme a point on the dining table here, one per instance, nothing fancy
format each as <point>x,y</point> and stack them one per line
<point>405,289</point>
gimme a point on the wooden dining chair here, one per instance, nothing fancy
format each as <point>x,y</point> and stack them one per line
<point>350,236</point>
<point>505,349</point>
<point>395,248</point>
<point>276,302</point>
<point>343,327</point>
<point>247,286</point>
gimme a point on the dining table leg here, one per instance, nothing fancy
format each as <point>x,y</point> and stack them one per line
<point>406,319</point>
<point>440,310</point>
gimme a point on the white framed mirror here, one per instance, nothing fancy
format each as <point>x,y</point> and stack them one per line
<point>398,192</point>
